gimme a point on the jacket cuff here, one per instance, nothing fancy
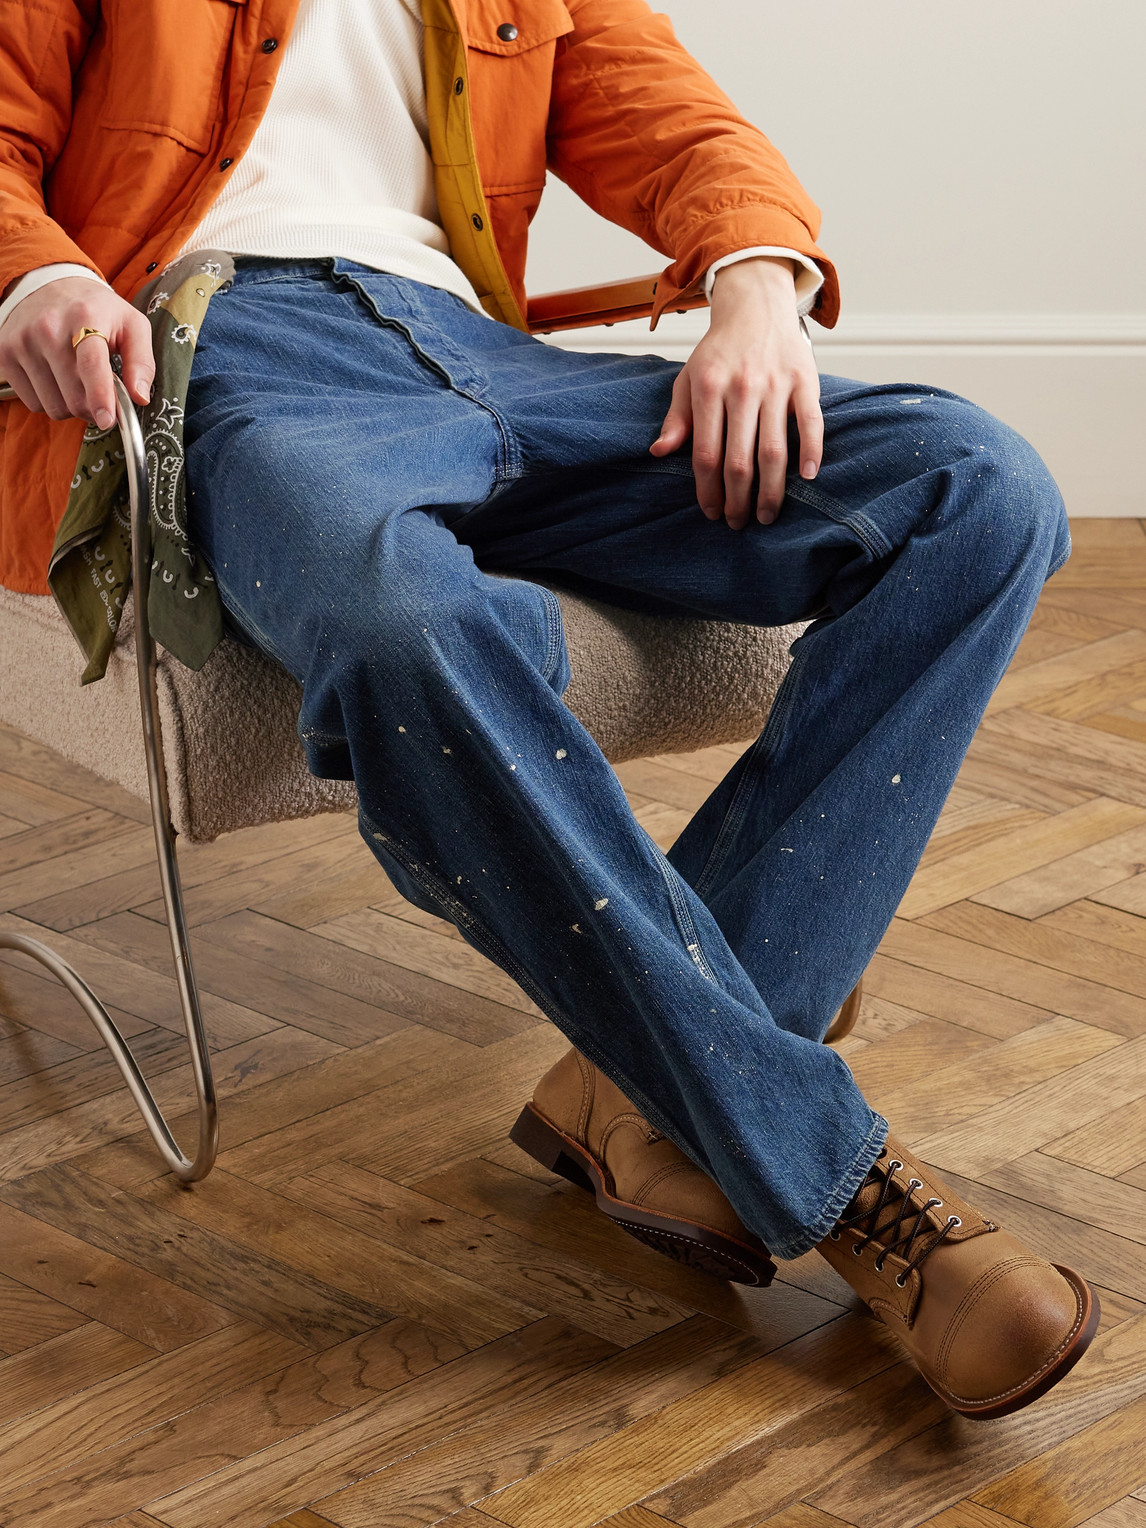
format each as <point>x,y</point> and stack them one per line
<point>727,231</point>
<point>28,245</point>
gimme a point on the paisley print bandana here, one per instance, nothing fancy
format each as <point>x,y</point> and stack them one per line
<point>90,569</point>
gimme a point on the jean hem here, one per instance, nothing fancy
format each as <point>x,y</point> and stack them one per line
<point>841,1196</point>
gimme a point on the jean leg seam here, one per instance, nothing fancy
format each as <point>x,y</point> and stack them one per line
<point>855,520</point>
<point>556,634</point>
<point>683,917</point>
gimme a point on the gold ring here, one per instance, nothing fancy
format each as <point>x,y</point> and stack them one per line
<point>86,333</point>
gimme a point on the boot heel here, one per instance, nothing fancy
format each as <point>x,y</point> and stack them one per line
<point>539,1140</point>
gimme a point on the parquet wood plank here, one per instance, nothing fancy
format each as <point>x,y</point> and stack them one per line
<point>996,971</point>
<point>279,1103</point>
<point>1039,681</point>
<point>144,988</point>
<point>741,1412</point>
<point>33,1381</point>
<point>28,1317</point>
<point>80,1127</point>
<point>361,1266</point>
<point>915,1481</point>
<point>1123,722</point>
<point>567,1222</point>
<point>41,1005</point>
<point>1029,1119</point>
<point>428,953</point>
<point>32,803</point>
<point>335,1453</point>
<point>1112,1144</point>
<point>405,1116</point>
<point>258,986</point>
<point>80,1425</point>
<point>217,894</point>
<point>202,869</point>
<point>274,1407</point>
<point>1070,1483</point>
<point>1105,925</point>
<point>931,1043</point>
<point>671,787</point>
<point>1040,642</point>
<point>245,1281</point>
<point>989,772</point>
<point>964,1088</point>
<point>1087,1196</point>
<point>1103,570</point>
<point>365,975</point>
<point>1081,874</point>
<point>844,1432</point>
<point>1129,895</point>
<point>1035,941</point>
<point>1093,696</point>
<point>1018,849</point>
<point>88,871</point>
<point>536,1432</point>
<point>150,1310</point>
<point>40,766</point>
<point>64,835</point>
<point>945,997</point>
<point>29,1052</point>
<point>328,896</point>
<point>495,1259</point>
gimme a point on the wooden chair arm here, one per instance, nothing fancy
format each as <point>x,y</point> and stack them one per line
<point>583,307</point>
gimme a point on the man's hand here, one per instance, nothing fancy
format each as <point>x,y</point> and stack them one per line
<point>735,393</point>
<point>37,359</point>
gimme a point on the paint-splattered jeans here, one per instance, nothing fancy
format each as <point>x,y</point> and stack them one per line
<point>364,452</point>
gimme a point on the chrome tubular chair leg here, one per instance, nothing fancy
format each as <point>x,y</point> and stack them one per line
<point>187,1169</point>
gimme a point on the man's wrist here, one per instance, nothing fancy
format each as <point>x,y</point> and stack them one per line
<point>767,277</point>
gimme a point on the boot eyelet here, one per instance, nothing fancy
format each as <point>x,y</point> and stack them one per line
<point>857,1250</point>
<point>953,1221</point>
<point>878,1265</point>
<point>834,1235</point>
<point>914,1184</point>
<point>901,1281</point>
<point>895,1165</point>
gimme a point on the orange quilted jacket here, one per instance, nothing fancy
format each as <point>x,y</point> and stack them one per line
<point>120,119</point>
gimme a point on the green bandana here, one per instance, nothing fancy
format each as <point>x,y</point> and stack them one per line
<point>90,569</point>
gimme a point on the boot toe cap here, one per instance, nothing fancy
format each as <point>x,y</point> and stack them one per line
<point>1013,1324</point>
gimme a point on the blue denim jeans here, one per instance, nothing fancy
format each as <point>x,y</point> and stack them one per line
<point>364,454</point>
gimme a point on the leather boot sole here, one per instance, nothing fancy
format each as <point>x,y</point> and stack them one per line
<point>701,1247</point>
<point>1074,1346</point>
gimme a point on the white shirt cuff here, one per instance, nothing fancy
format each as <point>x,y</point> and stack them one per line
<point>41,277</point>
<point>809,277</point>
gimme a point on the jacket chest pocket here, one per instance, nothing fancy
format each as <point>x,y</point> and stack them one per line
<point>511,44</point>
<point>167,59</point>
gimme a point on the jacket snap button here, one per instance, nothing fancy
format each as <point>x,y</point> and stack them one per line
<point>459,86</point>
<point>507,31</point>
<point>477,222</point>
<point>225,164</point>
<point>270,44</point>
<point>154,266</point>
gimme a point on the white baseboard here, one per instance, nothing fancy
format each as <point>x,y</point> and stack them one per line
<point>1073,384</point>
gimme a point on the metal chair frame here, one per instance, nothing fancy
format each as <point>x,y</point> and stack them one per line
<point>186,1169</point>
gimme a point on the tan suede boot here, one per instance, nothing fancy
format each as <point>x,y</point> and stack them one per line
<point>582,1126</point>
<point>990,1325</point>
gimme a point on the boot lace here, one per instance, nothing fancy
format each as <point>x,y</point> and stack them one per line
<point>908,1226</point>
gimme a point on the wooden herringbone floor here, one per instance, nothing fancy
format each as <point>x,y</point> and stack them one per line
<point>377,1313</point>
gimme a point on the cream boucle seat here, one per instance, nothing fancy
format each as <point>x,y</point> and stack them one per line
<point>641,684</point>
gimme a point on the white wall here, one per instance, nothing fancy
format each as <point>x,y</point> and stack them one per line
<point>982,171</point>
